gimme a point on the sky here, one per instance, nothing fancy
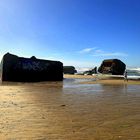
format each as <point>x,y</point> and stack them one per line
<point>81,33</point>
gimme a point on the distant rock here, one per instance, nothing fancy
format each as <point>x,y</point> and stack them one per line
<point>69,70</point>
<point>21,69</point>
<point>112,66</point>
<point>90,72</point>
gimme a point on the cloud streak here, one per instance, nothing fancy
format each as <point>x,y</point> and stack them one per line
<point>110,54</point>
<point>98,52</point>
<point>87,50</point>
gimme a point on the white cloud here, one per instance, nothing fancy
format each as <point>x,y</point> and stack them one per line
<point>98,52</point>
<point>109,54</point>
<point>87,50</point>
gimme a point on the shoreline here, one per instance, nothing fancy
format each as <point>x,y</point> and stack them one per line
<point>104,79</point>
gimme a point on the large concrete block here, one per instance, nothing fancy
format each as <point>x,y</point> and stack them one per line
<point>112,66</point>
<point>21,69</point>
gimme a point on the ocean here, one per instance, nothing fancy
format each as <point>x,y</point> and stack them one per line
<point>133,73</point>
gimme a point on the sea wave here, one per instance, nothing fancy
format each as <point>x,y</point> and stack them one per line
<point>133,71</point>
<point>136,68</point>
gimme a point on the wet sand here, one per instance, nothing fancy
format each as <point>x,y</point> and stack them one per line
<point>69,110</point>
<point>103,79</point>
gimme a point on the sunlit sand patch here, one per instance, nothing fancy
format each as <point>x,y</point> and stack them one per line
<point>69,110</point>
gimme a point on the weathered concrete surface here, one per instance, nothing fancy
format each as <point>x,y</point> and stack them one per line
<point>69,70</point>
<point>113,66</point>
<point>21,69</point>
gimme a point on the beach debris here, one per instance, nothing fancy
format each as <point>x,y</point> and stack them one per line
<point>69,70</point>
<point>63,105</point>
<point>112,66</point>
<point>22,69</point>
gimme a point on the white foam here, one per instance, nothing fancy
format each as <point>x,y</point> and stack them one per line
<point>135,69</point>
<point>133,77</point>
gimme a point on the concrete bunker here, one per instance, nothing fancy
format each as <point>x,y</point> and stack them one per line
<point>14,68</point>
<point>112,66</point>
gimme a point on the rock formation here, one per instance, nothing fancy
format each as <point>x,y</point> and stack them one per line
<point>69,70</point>
<point>21,69</point>
<point>112,66</point>
<point>90,72</point>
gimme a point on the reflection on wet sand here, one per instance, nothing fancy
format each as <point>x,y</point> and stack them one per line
<point>69,111</point>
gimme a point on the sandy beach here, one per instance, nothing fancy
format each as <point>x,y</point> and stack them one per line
<point>75,109</point>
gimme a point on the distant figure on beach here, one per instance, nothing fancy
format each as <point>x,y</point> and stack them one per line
<point>125,76</point>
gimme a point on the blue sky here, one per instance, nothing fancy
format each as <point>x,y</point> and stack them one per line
<point>77,32</point>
